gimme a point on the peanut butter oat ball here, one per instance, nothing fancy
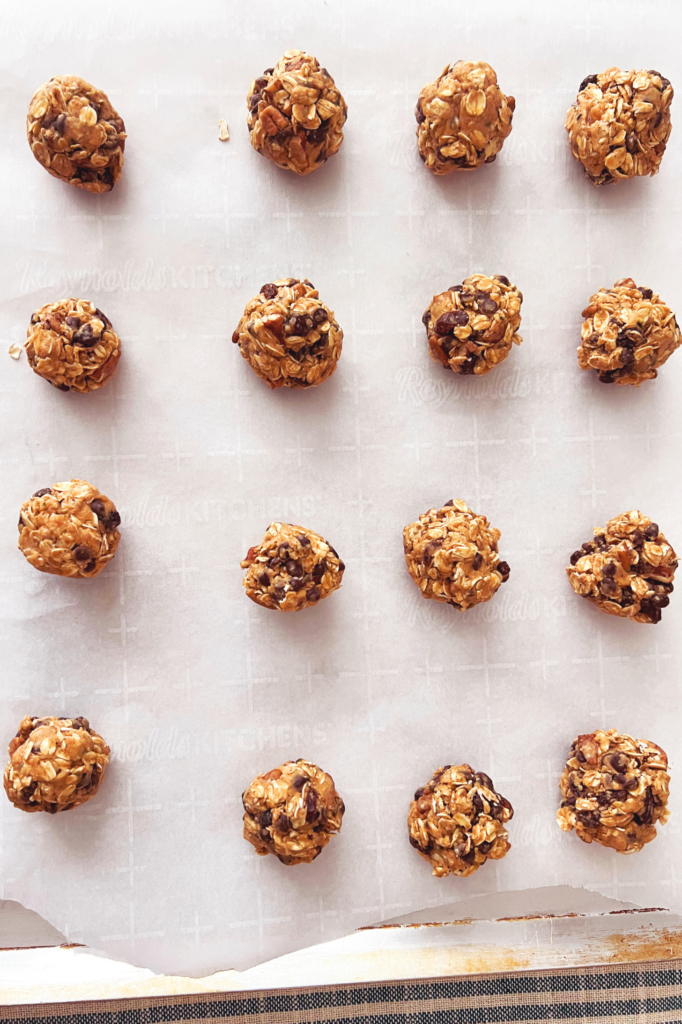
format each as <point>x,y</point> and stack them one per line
<point>627,334</point>
<point>614,790</point>
<point>296,113</point>
<point>292,811</point>
<point>72,345</point>
<point>619,125</point>
<point>457,820</point>
<point>627,570</point>
<point>288,336</point>
<point>76,134</point>
<point>463,118</point>
<point>55,764</point>
<point>471,326</point>
<point>452,556</point>
<point>69,529</point>
<point>292,568</point>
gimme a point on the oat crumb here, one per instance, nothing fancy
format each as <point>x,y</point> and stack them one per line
<point>224,130</point>
<point>15,351</point>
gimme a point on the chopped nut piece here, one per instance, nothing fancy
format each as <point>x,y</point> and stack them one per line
<point>456,821</point>
<point>627,334</point>
<point>471,326</point>
<point>224,131</point>
<point>619,125</point>
<point>292,568</point>
<point>69,529</point>
<point>614,789</point>
<point>296,113</point>
<point>15,351</point>
<point>55,764</point>
<point>76,134</point>
<point>288,336</point>
<point>292,811</point>
<point>628,570</point>
<point>463,118</point>
<point>452,556</point>
<point>72,345</point>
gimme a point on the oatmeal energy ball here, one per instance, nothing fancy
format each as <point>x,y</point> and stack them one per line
<point>292,811</point>
<point>452,556</point>
<point>76,134</point>
<point>296,113</point>
<point>292,568</point>
<point>471,326</point>
<point>619,125</point>
<point>72,345</point>
<point>627,570</point>
<point>463,118</point>
<point>614,790</point>
<point>55,764</point>
<point>288,336</point>
<point>627,334</point>
<point>457,820</point>
<point>69,529</point>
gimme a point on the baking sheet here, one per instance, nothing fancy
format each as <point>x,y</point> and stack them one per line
<point>195,688</point>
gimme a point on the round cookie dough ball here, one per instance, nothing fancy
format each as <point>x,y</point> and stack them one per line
<point>463,118</point>
<point>627,570</point>
<point>54,764</point>
<point>614,790</point>
<point>457,820</point>
<point>296,113</point>
<point>619,125</point>
<point>76,134</point>
<point>452,556</point>
<point>627,334</point>
<point>471,326</point>
<point>288,336</point>
<point>292,568</point>
<point>69,529</point>
<point>292,811</point>
<point>72,345</point>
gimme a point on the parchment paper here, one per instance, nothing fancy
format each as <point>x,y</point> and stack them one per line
<point>195,688</point>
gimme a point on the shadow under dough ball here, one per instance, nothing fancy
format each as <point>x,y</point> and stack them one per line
<point>292,812</point>
<point>288,336</point>
<point>296,113</point>
<point>451,554</point>
<point>76,134</point>
<point>69,529</point>
<point>627,570</point>
<point>463,118</point>
<point>55,764</point>
<point>72,345</point>
<point>628,332</point>
<point>471,327</point>
<point>614,789</point>
<point>457,821</point>
<point>619,125</point>
<point>292,568</point>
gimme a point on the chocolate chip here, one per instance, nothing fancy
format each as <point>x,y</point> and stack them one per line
<point>265,818</point>
<point>112,520</point>
<point>651,532</point>
<point>254,100</point>
<point>449,504</point>
<point>607,378</point>
<point>294,568</point>
<point>609,569</point>
<point>484,780</point>
<point>477,802</point>
<point>319,570</point>
<point>468,366</point>
<point>42,492</point>
<point>264,579</point>
<point>649,609</point>
<point>413,841</point>
<point>646,293</point>
<point>283,550</point>
<point>484,847</point>
<point>588,546</point>
<point>426,317</point>
<point>85,336</point>
<point>282,824</point>
<point>269,291</point>
<point>305,541</point>
<point>505,570</point>
<point>316,135</point>
<point>73,322</point>
<point>279,594</point>
<point>313,595</point>
<point>274,563</point>
<point>447,322</point>
<point>311,805</point>
<point>268,71</point>
<point>235,337</point>
<point>478,560</point>
<point>60,124</point>
<point>105,319</point>
<point>82,553</point>
<point>320,316</point>
<point>502,279</point>
<point>631,142</point>
<point>590,80</point>
<point>419,792</point>
<point>419,114</point>
<point>98,507</point>
<point>90,566</point>
<point>333,550</point>
<point>485,303</point>
<point>299,781</point>
<point>297,584</point>
<point>660,600</point>
<point>576,556</point>
<point>609,588</point>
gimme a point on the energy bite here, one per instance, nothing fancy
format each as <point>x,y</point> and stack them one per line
<point>69,529</point>
<point>456,821</point>
<point>296,113</point>
<point>627,570</point>
<point>72,345</point>
<point>614,790</point>
<point>471,326</point>
<point>292,568</point>
<point>452,556</point>
<point>292,811</point>
<point>288,335</point>
<point>463,118</point>
<point>55,764</point>
<point>619,125</point>
<point>76,134</point>
<point>628,332</point>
